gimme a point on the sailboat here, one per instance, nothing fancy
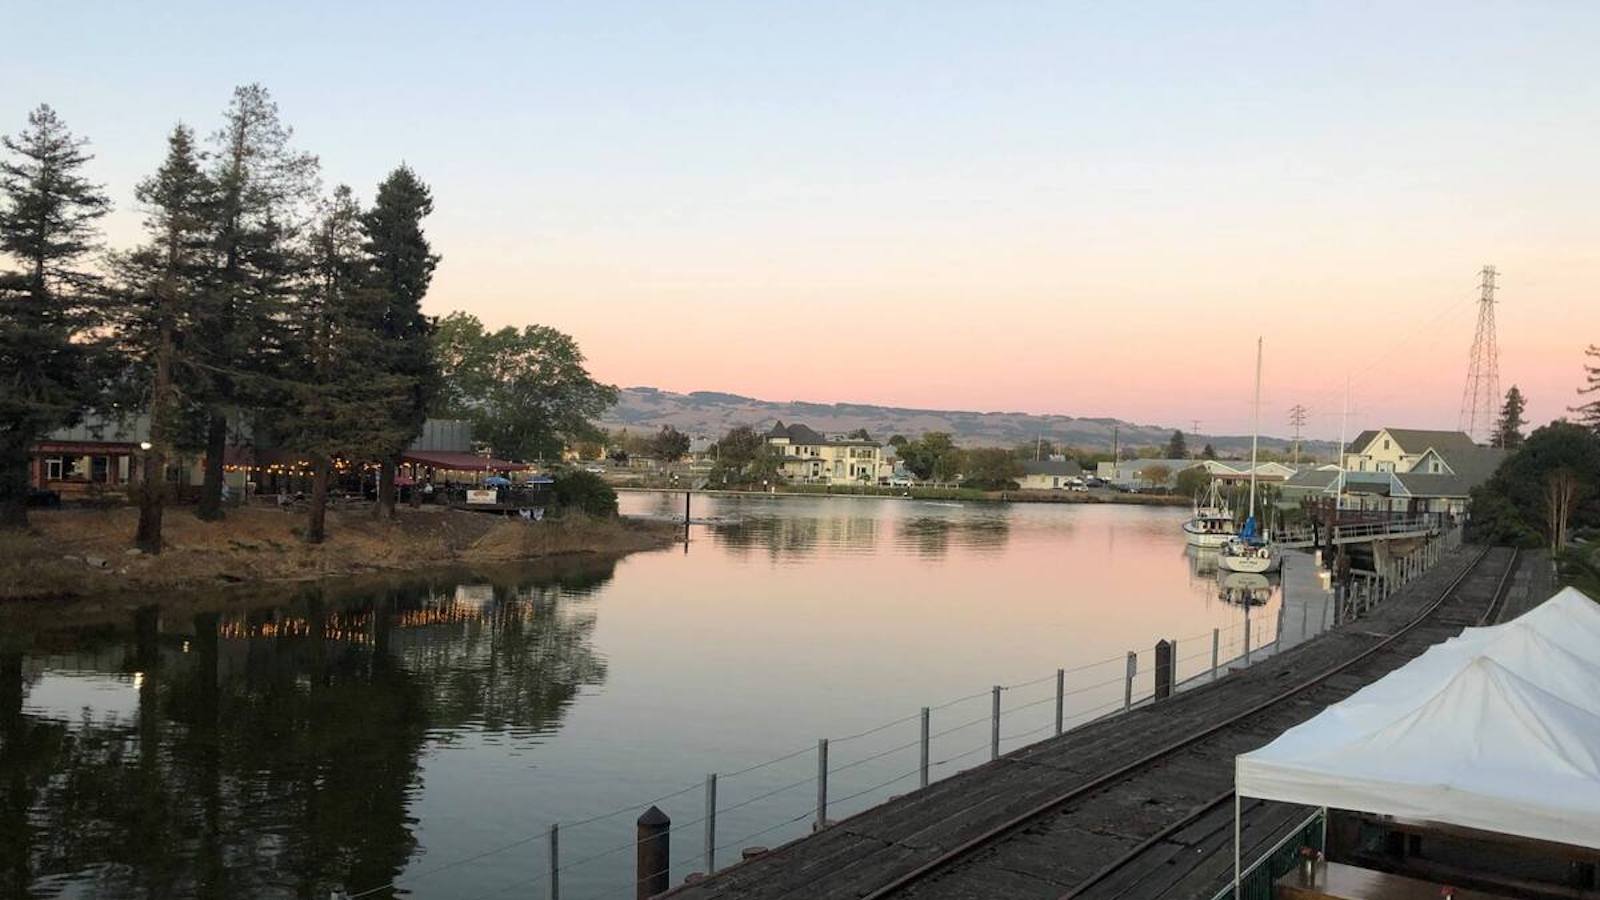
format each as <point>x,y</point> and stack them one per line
<point>1250,550</point>
<point>1212,523</point>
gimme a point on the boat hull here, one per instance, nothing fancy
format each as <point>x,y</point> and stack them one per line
<point>1209,539</point>
<point>1252,563</point>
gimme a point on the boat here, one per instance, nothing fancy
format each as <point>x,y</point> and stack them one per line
<point>1244,588</point>
<point>1251,550</point>
<point>1212,522</point>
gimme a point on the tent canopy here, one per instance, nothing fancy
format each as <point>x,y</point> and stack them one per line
<point>1497,730</point>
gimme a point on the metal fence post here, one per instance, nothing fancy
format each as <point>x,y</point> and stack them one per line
<point>822,783</point>
<point>1127,686</point>
<point>1247,635</point>
<point>711,824</point>
<point>555,862</point>
<point>924,765</point>
<point>1216,649</point>
<point>1061,697</point>
<point>994,726</point>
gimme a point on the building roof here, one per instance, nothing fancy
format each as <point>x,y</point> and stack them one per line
<point>1417,440</point>
<point>1313,478</point>
<point>1067,467</point>
<point>796,434</point>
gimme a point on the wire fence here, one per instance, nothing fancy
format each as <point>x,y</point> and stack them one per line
<point>759,801</point>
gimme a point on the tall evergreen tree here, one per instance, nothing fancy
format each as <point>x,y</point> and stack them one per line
<point>1508,429</point>
<point>48,223</point>
<point>262,188</point>
<point>1589,413</point>
<point>1177,447</point>
<point>402,268</point>
<point>347,400</point>
<point>163,284</point>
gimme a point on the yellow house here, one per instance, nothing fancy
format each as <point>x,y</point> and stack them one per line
<point>1402,449</point>
<point>812,458</point>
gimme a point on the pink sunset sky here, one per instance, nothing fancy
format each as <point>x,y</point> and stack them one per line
<point>1050,208</point>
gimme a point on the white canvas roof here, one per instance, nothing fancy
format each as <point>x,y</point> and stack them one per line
<point>1498,730</point>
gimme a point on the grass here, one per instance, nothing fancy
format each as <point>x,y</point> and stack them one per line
<point>79,552</point>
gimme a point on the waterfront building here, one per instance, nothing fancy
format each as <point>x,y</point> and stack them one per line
<point>1402,470</point>
<point>1050,474</point>
<point>809,457</point>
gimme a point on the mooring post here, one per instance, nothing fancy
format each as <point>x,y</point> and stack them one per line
<point>555,862</point>
<point>1216,651</point>
<point>711,824</point>
<point>653,841</point>
<point>994,726</point>
<point>1127,686</point>
<point>1247,635</point>
<point>1163,688</point>
<point>1061,697</point>
<point>923,767</point>
<point>822,784</point>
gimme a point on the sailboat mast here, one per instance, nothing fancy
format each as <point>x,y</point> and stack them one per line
<point>1255,430</point>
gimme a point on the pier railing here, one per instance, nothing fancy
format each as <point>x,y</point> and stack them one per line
<point>761,804</point>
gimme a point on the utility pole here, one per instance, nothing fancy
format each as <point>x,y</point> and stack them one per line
<point>1297,418</point>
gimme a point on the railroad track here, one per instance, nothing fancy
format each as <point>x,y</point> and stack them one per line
<point>1091,840</point>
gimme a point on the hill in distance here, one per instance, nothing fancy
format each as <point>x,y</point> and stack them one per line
<point>710,413</point>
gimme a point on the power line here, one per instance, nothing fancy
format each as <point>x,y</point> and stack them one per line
<point>1297,418</point>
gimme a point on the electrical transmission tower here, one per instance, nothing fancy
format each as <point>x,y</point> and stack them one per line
<point>1297,418</point>
<point>1481,394</point>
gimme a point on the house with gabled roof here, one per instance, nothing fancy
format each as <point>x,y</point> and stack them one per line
<point>1403,470</point>
<point>810,457</point>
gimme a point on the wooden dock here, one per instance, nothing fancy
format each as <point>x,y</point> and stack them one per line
<point>1139,805</point>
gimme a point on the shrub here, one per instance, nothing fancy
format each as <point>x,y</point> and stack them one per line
<point>586,492</point>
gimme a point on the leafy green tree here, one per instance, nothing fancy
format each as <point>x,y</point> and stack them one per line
<point>402,264</point>
<point>1508,429</point>
<point>1039,448</point>
<point>263,191</point>
<point>1155,475</point>
<point>735,455</point>
<point>526,392</point>
<point>162,285</point>
<point>860,434</point>
<point>932,457</point>
<point>990,469</point>
<point>1589,413</point>
<point>1177,447</point>
<point>898,441</point>
<point>669,444</point>
<point>48,362</point>
<point>1513,506</point>
<point>1193,481</point>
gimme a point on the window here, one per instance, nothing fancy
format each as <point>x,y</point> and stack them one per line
<point>1385,443</point>
<point>52,468</point>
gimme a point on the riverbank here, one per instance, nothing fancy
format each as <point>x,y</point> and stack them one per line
<point>944,493</point>
<point>74,553</point>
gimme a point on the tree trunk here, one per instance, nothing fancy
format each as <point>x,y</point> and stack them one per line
<point>14,483</point>
<point>386,470</point>
<point>317,517</point>
<point>153,487</point>
<point>211,487</point>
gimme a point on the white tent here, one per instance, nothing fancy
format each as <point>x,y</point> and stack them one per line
<point>1497,729</point>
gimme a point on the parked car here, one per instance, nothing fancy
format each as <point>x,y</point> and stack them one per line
<point>1080,488</point>
<point>596,470</point>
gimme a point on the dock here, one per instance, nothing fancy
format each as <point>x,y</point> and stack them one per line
<point>1138,805</point>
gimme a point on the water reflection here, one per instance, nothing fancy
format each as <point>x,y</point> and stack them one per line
<point>274,752</point>
<point>1244,588</point>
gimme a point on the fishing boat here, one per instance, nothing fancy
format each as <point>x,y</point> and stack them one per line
<point>1251,550</point>
<point>1212,522</point>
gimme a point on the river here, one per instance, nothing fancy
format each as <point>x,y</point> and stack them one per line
<point>419,737</point>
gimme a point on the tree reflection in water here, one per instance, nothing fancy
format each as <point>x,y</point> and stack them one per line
<point>272,753</point>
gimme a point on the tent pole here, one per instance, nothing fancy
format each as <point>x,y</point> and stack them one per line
<point>1238,852</point>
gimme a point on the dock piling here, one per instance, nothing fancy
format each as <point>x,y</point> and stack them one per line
<point>1127,685</point>
<point>1247,635</point>
<point>555,862</point>
<point>711,824</point>
<point>1061,697</point>
<point>653,859</point>
<point>1164,661</point>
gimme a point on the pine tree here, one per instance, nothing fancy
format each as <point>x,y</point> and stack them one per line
<point>48,362</point>
<point>1508,429</point>
<point>1589,413</point>
<point>262,188</point>
<point>1177,447</point>
<point>163,286</point>
<point>402,268</point>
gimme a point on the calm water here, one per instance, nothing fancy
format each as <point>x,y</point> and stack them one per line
<point>349,739</point>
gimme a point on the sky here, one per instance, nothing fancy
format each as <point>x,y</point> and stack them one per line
<point>1082,209</point>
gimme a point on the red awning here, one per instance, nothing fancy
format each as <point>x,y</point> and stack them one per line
<point>461,462</point>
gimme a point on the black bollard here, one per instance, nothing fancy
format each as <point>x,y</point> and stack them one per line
<point>1164,673</point>
<point>653,847</point>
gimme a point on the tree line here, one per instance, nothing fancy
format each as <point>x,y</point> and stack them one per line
<point>253,304</point>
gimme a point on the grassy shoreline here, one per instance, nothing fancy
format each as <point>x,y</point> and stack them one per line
<point>73,554</point>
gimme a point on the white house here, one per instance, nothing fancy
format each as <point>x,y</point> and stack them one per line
<point>1050,474</point>
<point>812,458</point>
